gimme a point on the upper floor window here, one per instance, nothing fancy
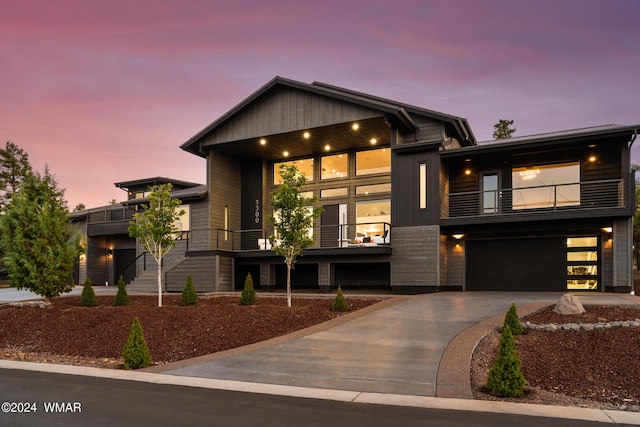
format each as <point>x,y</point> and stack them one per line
<point>305,166</point>
<point>546,186</point>
<point>373,161</point>
<point>334,166</point>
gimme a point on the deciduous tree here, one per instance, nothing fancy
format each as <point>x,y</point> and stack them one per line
<point>293,219</point>
<point>155,226</point>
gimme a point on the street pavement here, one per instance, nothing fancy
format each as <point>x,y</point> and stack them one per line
<point>391,356</point>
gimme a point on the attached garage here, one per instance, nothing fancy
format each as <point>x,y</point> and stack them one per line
<point>524,264</point>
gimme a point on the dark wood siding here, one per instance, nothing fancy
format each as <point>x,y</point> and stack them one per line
<point>286,109</point>
<point>224,190</point>
<point>405,188</point>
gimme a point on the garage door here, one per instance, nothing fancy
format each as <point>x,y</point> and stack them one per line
<point>531,264</point>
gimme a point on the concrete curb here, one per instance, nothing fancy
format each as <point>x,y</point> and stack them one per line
<point>587,414</point>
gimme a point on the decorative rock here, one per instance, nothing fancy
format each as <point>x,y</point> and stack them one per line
<point>569,304</point>
<point>588,326</point>
<point>38,304</point>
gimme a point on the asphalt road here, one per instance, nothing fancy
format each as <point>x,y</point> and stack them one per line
<point>68,400</point>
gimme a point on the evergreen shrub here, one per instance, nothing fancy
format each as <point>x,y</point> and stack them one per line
<point>189,294</point>
<point>122,298</point>
<point>512,320</point>
<point>505,378</point>
<point>340,303</point>
<point>88,295</point>
<point>248,296</point>
<point>136,353</point>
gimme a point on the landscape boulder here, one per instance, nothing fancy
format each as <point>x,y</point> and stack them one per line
<point>569,304</point>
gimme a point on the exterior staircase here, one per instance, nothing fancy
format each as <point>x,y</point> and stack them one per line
<point>146,282</point>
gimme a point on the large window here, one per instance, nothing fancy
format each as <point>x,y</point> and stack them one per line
<point>305,166</point>
<point>334,166</point>
<point>373,161</point>
<point>373,217</point>
<point>546,186</point>
<point>582,263</point>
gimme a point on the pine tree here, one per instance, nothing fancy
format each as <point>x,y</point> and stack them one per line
<point>512,320</point>
<point>505,378</point>
<point>248,296</point>
<point>503,129</point>
<point>189,294</point>
<point>122,298</point>
<point>339,304</point>
<point>39,244</point>
<point>136,354</point>
<point>14,169</point>
<point>88,295</point>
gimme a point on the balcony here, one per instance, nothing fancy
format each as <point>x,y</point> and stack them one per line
<point>326,237</point>
<point>554,201</point>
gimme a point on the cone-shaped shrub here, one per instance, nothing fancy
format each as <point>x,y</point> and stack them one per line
<point>189,294</point>
<point>512,320</point>
<point>122,298</point>
<point>248,296</point>
<point>88,295</point>
<point>505,378</point>
<point>339,304</point>
<point>136,354</point>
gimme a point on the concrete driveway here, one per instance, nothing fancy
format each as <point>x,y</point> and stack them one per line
<point>396,349</point>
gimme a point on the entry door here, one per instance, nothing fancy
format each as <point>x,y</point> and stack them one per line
<point>334,229</point>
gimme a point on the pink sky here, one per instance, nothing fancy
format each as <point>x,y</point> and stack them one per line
<point>107,91</point>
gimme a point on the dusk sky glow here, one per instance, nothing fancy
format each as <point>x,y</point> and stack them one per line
<point>107,91</point>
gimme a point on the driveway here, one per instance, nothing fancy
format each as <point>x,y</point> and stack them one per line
<point>396,349</point>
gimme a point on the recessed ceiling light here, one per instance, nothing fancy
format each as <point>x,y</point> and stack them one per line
<point>355,126</point>
<point>327,147</point>
<point>373,141</point>
<point>306,135</point>
<point>263,141</point>
<point>285,153</point>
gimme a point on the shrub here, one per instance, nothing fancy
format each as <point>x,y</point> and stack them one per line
<point>189,294</point>
<point>88,295</point>
<point>248,296</point>
<point>505,378</point>
<point>122,298</point>
<point>512,320</point>
<point>339,304</point>
<point>136,354</point>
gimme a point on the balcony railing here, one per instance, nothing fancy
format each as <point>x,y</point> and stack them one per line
<point>325,236</point>
<point>543,198</point>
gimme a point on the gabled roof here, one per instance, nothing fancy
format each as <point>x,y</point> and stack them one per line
<point>399,112</point>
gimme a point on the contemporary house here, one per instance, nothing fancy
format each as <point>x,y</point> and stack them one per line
<point>412,202</point>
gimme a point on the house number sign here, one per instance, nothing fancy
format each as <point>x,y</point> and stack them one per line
<point>257,213</point>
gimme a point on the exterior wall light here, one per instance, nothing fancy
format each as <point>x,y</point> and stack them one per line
<point>592,159</point>
<point>457,236</point>
<point>467,171</point>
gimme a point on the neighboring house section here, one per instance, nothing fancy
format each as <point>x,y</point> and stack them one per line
<point>110,252</point>
<point>412,202</point>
